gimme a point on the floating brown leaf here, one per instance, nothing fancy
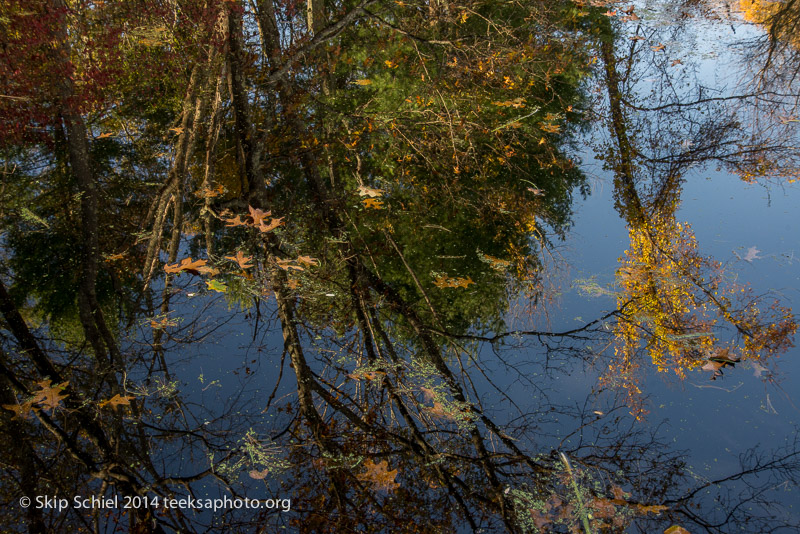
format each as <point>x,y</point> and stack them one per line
<point>378,475</point>
<point>258,215</point>
<point>258,475</point>
<point>241,259</point>
<point>445,281</point>
<point>49,396</point>
<point>274,223</point>
<point>235,221</point>
<point>116,401</point>
<point>287,265</point>
<point>22,410</point>
<point>308,261</point>
<point>187,265</point>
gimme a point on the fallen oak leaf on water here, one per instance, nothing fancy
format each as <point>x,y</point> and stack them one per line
<point>193,267</point>
<point>22,410</point>
<point>378,475</point>
<point>274,223</point>
<point>235,221</point>
<point>287,264</point>
<point>752,254</point>
<point>258,215</point>
<point>116,401</point>
<point>49,396</point>
<point>241,259</point>
<point>308,261</point>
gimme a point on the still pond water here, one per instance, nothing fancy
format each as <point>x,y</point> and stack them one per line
<point>579,323</point>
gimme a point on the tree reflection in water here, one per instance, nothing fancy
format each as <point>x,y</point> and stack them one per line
<point>379,184</point>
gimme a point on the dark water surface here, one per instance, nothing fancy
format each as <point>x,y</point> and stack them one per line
<point>419,267</point>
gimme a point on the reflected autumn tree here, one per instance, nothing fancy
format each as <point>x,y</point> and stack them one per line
<point>675,303</point>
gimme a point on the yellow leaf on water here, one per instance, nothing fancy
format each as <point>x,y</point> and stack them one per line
<point>363,82</point>
<point>373,203</point>
<point>216,285</point>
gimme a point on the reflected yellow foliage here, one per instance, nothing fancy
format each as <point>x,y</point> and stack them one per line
<point>676,303</point>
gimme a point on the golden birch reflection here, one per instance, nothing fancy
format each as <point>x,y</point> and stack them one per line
<point>679,307</point>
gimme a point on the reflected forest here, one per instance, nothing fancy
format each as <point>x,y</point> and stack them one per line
<point>311,266</point>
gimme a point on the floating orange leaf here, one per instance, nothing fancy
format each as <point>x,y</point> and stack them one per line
<point>444,281</point>
<point>378,475</point>
<point>652,509</point>
<point>274,223</point>
<point>116,401</point>
<point>287,264</point>
<point>235,221</point>
<point>258,475</point>
<point>207,192</point>
<point>49,396</point>
<point>258,215</point>
<point>549,127</point>
<point>308,261</point>
<point>373,203</point>
<point>163,322</point>
<point>241,259</point>
<point>115,257</point>
<point>367,375</point>
<point>22,410</point>
<point>186,264</point>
